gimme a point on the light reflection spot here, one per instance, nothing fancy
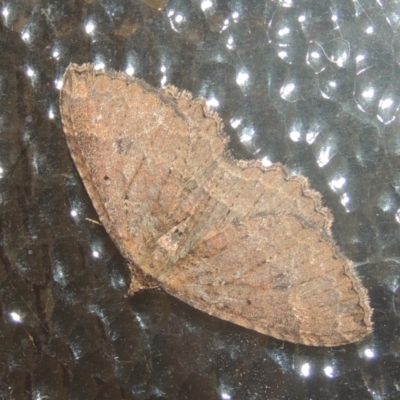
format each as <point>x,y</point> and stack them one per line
<point>245,138</point>
<point>130,70</point>
<point>369,353</point>
<point>311,136</point>
<point>242,78</point>
<point>213,102</point>
<point>89,27</point>
<point>287,89</point>
<point>368,93</point>
<point>386,103</point>
<point>58,83</point>
<point>286,3</point>
<point>282,54</point>
<point>15,317</point>
<point>324,157</point>
<point>179,18</point>
<point>140,321</point>
<point>229,43</point>
<point>99,65</point>
<point>344,199</point>
<point>206,4</point>
<point>25,36</point>
<point>295,136</point>
<point>328,371</point>
<point>283,31</point>
<point>266,162</point>
<point>398,216</point>
<point>337,183</point>
<point>235,123</point>
<point>305,369</point>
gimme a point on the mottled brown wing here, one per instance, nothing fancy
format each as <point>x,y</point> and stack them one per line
<point>130,147</point>
<point>271,274</point>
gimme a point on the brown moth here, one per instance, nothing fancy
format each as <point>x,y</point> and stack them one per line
<point>237,240</point>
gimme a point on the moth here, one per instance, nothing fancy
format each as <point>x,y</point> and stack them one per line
<point>240,241</point>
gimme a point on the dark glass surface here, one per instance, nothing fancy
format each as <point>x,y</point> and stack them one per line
<point>314,85</point>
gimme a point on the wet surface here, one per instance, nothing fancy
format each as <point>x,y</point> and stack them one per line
<point>314,86</point>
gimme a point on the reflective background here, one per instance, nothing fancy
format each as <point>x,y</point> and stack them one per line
<point>314,85</point>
